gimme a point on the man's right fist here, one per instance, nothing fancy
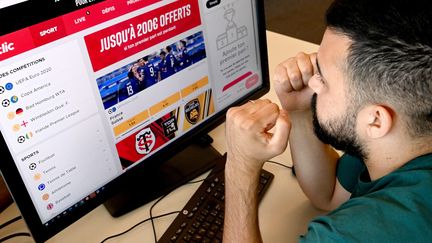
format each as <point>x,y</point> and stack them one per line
<point>291,80</point>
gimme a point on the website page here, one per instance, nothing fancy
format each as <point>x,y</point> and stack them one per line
<point>90,94</point>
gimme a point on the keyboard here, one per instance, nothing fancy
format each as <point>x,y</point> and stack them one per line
<point>201,220</point>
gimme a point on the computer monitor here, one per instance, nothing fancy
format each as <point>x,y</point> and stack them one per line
<point>108,101</point>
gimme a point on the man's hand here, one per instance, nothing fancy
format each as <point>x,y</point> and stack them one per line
<point>255,132</point>
<point>291,80</point>
<point>249,140</point>
<point>315,162</point>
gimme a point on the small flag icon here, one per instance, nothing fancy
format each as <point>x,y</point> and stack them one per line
<point>19,111</point>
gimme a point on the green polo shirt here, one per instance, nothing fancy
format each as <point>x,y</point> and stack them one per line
<point>394,208</point>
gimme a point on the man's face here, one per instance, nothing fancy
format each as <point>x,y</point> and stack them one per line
<point>334,116</point>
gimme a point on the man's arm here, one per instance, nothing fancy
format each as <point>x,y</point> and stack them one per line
<point>315,163</point>
<point>249,145</point>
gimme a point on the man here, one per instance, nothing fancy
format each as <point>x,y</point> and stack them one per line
<point>148,72</point>
<point>167,63</point>
<point>184,58</point>
<point>371,89</point>
<point>133,84</point>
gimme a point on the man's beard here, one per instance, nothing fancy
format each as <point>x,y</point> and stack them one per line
<point>339,133</point>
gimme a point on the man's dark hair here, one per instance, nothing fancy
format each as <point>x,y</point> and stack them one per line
<point>168,48</point>
<point>145,58</point>
<point>390,58</point>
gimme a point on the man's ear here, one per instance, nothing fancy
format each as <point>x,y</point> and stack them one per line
<point>377,120</point>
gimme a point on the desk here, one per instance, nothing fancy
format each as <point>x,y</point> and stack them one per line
<point>284,211</point>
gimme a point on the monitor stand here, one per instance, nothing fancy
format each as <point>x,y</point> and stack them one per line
<point>152,182</point>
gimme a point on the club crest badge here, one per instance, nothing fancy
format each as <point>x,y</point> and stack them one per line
<point>170,126</point>
<point>192,111</point>
<point>145,140</point>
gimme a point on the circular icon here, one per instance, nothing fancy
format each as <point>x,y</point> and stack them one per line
<point>19,111</point>
<point>50,206</point>
<point>5,103</point>
<point>45,196</point>
<point>9,86</point>
<point>11,115</point>
<point>41,187</point>
<point>16,128</point>
<point>2,89</point>
<point>37,176</point>
<point>32,166</point>
<point>21,139</point>
<point>14,99</point>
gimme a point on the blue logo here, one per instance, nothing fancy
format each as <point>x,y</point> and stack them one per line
<point>9,86</point>
<point>41,187</point>
<point>14,99</point>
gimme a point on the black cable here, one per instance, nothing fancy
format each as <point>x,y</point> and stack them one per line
<point>14,235</point>
<point>151,215</point>
<point>10,222</point>
<point>280,164</point>
<point>131,228</point>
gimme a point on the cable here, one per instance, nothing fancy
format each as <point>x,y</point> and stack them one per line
<point>10,222</point>
<point>14,235</point>
<point>280,164</point>
<point>151,215</point>
<point>131,228</point>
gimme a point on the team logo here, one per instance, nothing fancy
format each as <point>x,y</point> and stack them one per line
<point>33,166</point>
<point>14,99</point>
<point>45,196</point>
<point>170,126</point>
<point>2,89</point>
<point>192,111</point>
<point>5,103</point>
<point>9,86</point>
<point>21,139</point>
<point>145,141</point>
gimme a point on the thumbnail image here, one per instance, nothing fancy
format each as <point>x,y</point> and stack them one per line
<point>146,140</point>
<point>147,71</point>
<point>198,109</point>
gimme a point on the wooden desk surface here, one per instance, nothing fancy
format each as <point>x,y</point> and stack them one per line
<point>284,211</point>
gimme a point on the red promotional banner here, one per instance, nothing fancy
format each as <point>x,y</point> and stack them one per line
<point>147,140</point>
<point>117,42</point>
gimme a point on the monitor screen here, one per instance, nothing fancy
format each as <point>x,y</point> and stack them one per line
<point>92,91</point>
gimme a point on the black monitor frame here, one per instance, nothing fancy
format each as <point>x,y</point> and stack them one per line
<point>185,146</point>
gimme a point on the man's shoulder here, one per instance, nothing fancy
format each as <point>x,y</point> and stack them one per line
<point>376,217</point>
